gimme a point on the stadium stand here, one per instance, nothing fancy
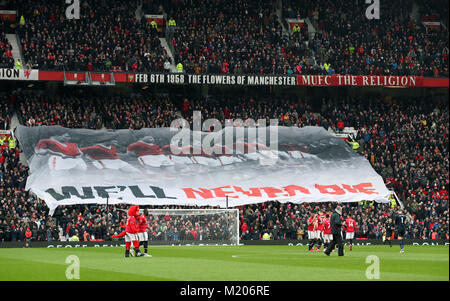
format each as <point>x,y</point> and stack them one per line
<point>405,139</point>
<point>107,37</point>
<point>229,37</point>
<point>346,42</point>
<point>433,10</point>
<point>238,37</point>
<point>5,113</point>
<point>395,44</point>
<point>6,57</point>
<point>67,111</point>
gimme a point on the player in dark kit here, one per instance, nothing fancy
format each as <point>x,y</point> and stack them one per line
<point>400,223</point>
<point>336,225</point>
<point>388,232</point>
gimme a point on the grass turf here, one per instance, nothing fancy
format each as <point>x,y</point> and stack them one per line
<point>226,263</point>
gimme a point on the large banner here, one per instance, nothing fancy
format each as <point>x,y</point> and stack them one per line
<point>158,166</point>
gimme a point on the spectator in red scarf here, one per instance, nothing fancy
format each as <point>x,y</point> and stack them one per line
<point>340,126</point>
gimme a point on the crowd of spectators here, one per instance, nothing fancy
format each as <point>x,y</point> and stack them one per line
<point>94,112</point>
<point>289,221</point>
<point>65,110</point>
<point>404,138</point>
<point>106,37</point>
<point>6,109</point>
<point>237,36</point>
<point>434,11</point>
<point>18,210</point>
<point>138,112</point>
<point>395,44</point>
<point>6,57</point>
<point>246,37</point>
<point>92,222</point>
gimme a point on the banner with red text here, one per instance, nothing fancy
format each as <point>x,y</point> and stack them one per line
<point>224,79</point>
<point>151,167</point>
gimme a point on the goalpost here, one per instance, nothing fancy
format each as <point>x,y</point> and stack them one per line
<point>193,226</point>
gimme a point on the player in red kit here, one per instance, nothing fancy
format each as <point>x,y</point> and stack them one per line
<point>350,225</point>
<point>320,220</point>
<point>327,236</point>
<point>142,232</point>
<point>121,234</point>
<point>312,231</point>
<point>131,232</point>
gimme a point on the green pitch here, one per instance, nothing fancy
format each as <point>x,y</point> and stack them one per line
<point>226,263</point>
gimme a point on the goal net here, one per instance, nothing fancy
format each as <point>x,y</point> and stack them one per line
<point>193,226</point>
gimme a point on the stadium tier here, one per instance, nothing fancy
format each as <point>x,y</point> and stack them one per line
<point>6,59</point>
<point>233,37</point>
<point>106,37</point>
<point>404,138</point>
<point>156,61</point>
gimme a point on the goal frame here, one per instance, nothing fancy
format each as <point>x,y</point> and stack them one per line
<point>197,212</point>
